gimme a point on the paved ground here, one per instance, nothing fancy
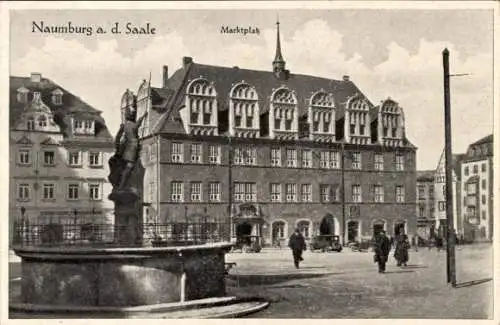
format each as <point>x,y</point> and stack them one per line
<point>347,285</point>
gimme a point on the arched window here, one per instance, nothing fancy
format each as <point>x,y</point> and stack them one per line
<point>243,104</point>
<point>200,99</point>
<point>285,101</point>
<point>304,227</point>
<point>278,229</point>
<point>322,108</point>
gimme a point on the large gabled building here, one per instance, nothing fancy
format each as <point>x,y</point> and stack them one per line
<point>59,148</point>
<point>274,150</point>
<point>477,193</point>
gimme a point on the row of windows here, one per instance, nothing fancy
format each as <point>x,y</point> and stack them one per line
<point>475,169</point>
<point>248,156</point>
<point>48,191</point>
<point>247,192</point>
<point>472,212</point>
<point>22,96</point>
<point>470,188</point>
<point>49,158</point>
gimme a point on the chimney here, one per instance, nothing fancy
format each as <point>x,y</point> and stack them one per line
<point>345,78</point>
<point>186,60</point>
<point>36,77</point>
<point>165,76</point>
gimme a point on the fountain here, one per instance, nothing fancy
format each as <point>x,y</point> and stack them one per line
<point>126,278</point>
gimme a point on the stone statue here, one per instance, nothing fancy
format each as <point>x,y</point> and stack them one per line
<point>126,154</point>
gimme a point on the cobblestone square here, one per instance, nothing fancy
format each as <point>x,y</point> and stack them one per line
<point>347,285</point>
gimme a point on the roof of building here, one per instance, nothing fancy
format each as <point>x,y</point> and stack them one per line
<point>265,82</point>
<point>72,106</point>
<point>481,149</point>
<point>456,163</point>
<point>486,139</point>
<point>425,175</point>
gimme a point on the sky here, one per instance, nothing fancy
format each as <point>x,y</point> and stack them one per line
<point>386,53</point>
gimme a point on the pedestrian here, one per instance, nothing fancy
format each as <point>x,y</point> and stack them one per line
<point>382,249</point>
<point>439,243</point>
<point>401,252</point>
<point>297,244</point>
<point>414,242</point>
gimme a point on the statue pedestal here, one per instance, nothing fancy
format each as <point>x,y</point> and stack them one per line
<point>127,217</point>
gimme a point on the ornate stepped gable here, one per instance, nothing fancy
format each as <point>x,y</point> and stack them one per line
<point>321,117</point>
<point>244,118</point>
<point>51,108</point>
<point>283,118</point>
<point>199,114</point>
<point>283,106</point>
<point>357,120</point>
<point>391,129</point>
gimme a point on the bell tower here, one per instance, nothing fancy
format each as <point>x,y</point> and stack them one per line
<point>279,63</point>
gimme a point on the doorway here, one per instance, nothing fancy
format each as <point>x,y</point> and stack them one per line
<point>327,225</point>
<point>243,231</point>
<point>377,229</point>
<point>399,229</point>
<point>352,231</point>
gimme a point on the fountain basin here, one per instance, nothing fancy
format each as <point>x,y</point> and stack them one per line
<point>120,276</point>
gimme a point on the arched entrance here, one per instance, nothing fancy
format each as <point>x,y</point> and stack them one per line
<point>243,230</point>
<point>352,231</point>
<point>399,228</point>
<point>378,226</point>
<point>278,231</point>
<point>305,228</point>
<point>327,225</point>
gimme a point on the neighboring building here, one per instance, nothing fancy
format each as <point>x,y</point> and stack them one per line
<point>294,140</point>
<point>477,195</point>
<point>59,149</point>
<point>426,204</point>
<point>440,193</point>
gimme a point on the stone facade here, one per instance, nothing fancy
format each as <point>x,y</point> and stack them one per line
<point>59,149</point>
<point>272,150</point>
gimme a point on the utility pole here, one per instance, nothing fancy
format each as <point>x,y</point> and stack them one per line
<point>230,188</point>
<point>342,197</point>
<point>450,247</point>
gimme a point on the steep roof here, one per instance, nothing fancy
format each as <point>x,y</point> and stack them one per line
<point>265,82</point>
<point>425,175</point>
<point>72,106</point>
<point>486,139</point>
<point>456,163</point>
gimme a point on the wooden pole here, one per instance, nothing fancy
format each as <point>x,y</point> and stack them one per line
<point>342,198</point>
<point>230,187</point>
<point>450,247</point>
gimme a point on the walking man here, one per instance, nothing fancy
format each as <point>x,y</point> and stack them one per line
<point>382,249</point>
<point>297,244</point>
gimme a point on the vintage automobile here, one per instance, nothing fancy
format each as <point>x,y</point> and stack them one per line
<point>325,243</point>
<point>361,246</point>
<point>248,244</point>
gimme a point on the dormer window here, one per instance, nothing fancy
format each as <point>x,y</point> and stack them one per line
<point>42,121</point>
<point>30,123</point>
<point>244,110</point>
<point>283,107</point>
<point>22,95</point>
<point>322,113</point>
<point>57,97</point>
<point>201,104</point>
<point>85,127</point>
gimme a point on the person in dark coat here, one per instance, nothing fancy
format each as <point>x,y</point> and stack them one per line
<point>382,248</point>
<point>297,244</point>
<point>401,253</point>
